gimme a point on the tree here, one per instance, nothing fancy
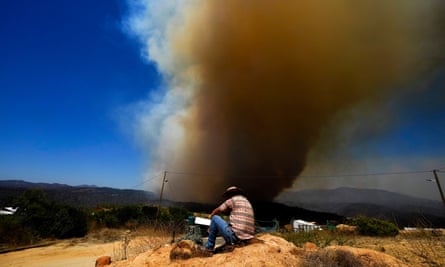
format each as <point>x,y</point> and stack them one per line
<point>46,218</point>
<point>36,211</point>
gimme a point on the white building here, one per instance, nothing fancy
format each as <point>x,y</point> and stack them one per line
<point>300,225</point>
<point>8,211</point>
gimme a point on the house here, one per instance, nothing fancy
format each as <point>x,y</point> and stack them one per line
<point>300,225</point>
<point>8,211</point>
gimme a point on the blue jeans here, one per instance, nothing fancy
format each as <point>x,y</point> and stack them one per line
<point>219,226</point>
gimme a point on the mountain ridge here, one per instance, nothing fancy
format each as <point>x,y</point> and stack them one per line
<point>347,201</point>
<point>82,195</point>
<point>308,204</point>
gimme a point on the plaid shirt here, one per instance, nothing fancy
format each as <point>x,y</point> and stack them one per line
<point>242,218</point>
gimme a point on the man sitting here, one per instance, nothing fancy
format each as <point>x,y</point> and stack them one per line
<point>242,222</point>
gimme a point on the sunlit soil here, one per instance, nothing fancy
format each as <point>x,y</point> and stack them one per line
<point>413,249</point>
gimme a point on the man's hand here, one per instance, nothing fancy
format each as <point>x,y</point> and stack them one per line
<point>214,212</point>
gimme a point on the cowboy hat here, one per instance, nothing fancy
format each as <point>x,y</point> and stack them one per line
<point>233,191</point>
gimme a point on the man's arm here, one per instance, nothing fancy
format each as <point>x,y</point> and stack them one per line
<point>214,212</point>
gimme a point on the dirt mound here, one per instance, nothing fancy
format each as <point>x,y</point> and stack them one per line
<point>273,251</point>
<point>349,256</point>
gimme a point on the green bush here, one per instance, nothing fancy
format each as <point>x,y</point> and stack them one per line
<point>36,211</point>
<point>40,217</point>
<point>173,215</point>
<point>149,212</point>
<point>374,227</point>
<point>122,216</point>
<point>320,238</point>
<point>128,213</point>
<point>179,214</point>
<point>106,218</point>
<point>69,222</point>
<point>13,233</point>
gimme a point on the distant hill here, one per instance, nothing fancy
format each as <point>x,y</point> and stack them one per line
<point>310,205</point>
<point>93,196</point>
<point>401,209</point>
<point>81,196</point>
<point>265,212</point>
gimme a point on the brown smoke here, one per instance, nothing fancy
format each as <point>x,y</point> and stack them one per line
<point>272,75</point>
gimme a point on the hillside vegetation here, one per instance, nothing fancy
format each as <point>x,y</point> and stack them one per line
<point>38,218</point>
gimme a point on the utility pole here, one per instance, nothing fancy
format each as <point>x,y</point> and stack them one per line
<point>164,180</point>
<point>438,185</point>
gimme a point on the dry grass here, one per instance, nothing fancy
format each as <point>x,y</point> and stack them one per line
<point>418,248</point>
<point>421,248</point>
<point>142,239</point>
<point>330,258</point>
<point>414,248</point>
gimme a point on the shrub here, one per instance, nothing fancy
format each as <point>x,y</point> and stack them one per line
<point>149,212</point>
<point>319,238</point>
<point>128,213</point>
<point>374,227</point>
<point>178,214</point>
<point>133,215</point>
<point>13,233</point>
<point>36,211</point>
<point>108,219</point>
<point>331,258</point>
<point>45,218</point>
<point>69,222</point>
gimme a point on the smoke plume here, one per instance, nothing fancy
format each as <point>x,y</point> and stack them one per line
<point>252,86</point>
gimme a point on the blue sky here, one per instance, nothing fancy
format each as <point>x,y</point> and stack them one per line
<point>69,68</point>
<point>66,68</point>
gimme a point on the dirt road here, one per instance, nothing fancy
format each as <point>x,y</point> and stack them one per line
<point>83,252</point>
<point>65,253</point>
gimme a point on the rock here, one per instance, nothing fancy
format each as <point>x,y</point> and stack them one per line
<point>182,250</point>
<point>309,246</point>
<point>346,228</point>
<point>288,227</point>
<point>103,261</point>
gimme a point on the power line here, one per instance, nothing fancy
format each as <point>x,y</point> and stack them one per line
<point>146,181</point>
<point>305,176</point>
<point>364,174</point>
<point>231,175</point>
<point>189,173</point>
<point>158,175</point>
